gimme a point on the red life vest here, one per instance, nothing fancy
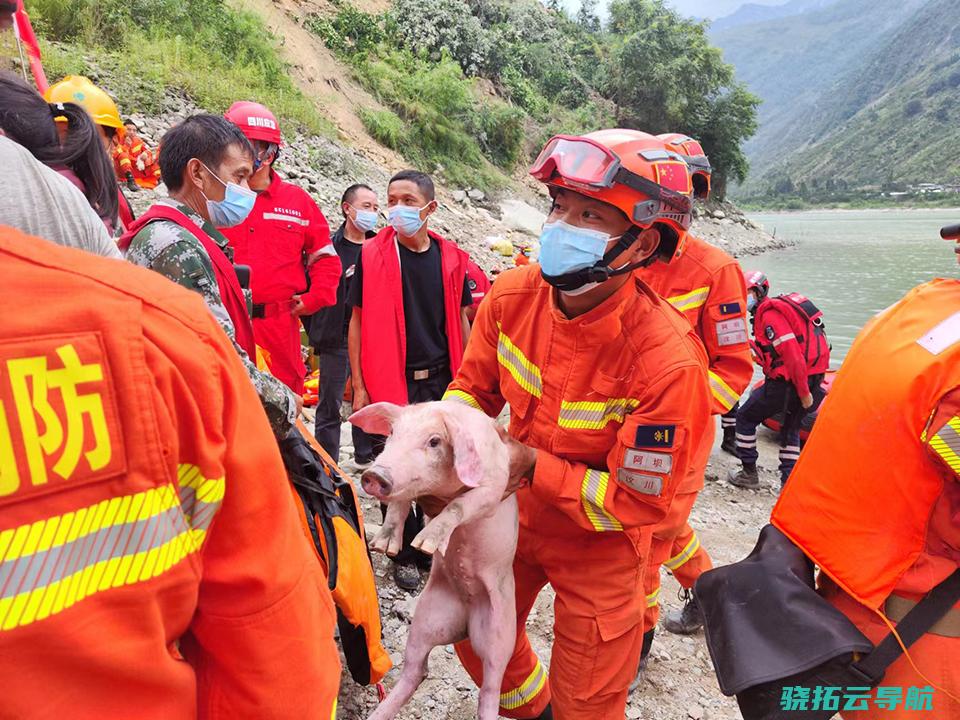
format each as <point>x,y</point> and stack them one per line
<point>227,281</point>
<point>383,332</point>
<point>806,322</point>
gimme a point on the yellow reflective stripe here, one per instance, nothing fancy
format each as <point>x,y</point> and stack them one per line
<point>461,396</point>
<point>333,712</point>
<point>523,371</point>
<point>946,443</point>
<point>684,555</point>
<point>653,598</point>
<point>530,688</point>
<point>721,391</point>
<point>52,564</point>
<point>200,496</point>
<point>690,300</point>
<point>593,491</point>
<point>584,415</point>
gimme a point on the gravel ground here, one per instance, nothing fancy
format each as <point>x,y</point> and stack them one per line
<point>679,684</point>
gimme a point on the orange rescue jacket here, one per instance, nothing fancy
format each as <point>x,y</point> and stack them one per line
<point>151,562</point>
<point>616,401</point>
<point>874,499</point>
<point>706,284</point>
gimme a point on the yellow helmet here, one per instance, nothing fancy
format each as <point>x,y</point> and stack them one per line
<point>78,89</point>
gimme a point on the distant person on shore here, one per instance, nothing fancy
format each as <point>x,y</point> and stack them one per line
<point>144,165</point>
<point>790,344</point>
<point>285,239</point>
<point>329,327</point>
<point>408,272</point>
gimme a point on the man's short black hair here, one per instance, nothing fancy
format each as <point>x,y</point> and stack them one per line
<point>205,137</point>
<point>420,179</point>
<point>350,194</point>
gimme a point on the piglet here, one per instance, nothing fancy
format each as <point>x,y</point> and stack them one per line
<point>451,459</point>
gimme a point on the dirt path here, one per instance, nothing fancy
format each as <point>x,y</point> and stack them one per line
<point>679,684</point>
<point>320,75</point>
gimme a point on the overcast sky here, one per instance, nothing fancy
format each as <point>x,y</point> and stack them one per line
<point>697,8</point>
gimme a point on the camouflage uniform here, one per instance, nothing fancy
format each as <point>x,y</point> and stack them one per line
<point>170,250</point>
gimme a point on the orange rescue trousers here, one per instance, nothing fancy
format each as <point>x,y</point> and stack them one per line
<point>676,547</point>
<point>595,652</point>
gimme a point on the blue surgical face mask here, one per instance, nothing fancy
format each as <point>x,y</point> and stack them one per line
<point>751,301</point>
<point>405,219</point>
<point>567,248</point>
<point>234,208</point>
<point>366,220</point>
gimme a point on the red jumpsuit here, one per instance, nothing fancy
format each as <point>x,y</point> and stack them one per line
<point>706,285</point>
<point>285,239</point>
<point>617,405</point>
<point>151,562</point>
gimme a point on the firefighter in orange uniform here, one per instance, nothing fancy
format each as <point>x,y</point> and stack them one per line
<point>874,500</point>
<point>146,170</point>
<point>609,411</point>
<point>706,285</point>
<point>151,561</point>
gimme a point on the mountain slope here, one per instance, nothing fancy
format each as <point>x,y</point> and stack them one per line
<point>792,62</point>
<point>754,13</point>
<point>892,120</point>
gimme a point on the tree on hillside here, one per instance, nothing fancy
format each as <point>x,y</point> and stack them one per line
<point>555,6</point>
<point>587,17</point>
<point>664,76</point>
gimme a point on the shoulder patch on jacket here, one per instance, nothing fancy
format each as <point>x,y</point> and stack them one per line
<point>730,309</point>
<point>655,436</point>
<point>770,332</point>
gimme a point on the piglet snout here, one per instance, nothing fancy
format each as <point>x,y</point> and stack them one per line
<point>376,481</point>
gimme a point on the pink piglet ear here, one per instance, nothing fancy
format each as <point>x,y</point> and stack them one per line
<point>466,459</point>
<point>376,419</point>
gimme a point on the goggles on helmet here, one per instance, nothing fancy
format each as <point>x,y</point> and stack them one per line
<point>585,162</point>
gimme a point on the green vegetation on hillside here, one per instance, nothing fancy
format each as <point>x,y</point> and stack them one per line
<point>210,51</point>
<point>465,82</point>
<point>859,99</point>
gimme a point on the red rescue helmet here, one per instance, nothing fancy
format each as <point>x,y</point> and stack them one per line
<point>629,169</point>
<point>255,121</point>
<point>692,152</point>
<point>756,280</point>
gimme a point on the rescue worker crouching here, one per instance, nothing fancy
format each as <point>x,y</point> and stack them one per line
<point>706,285</point>
<point>609,413</point>
<point>206,162</point>
<point>791,346</point>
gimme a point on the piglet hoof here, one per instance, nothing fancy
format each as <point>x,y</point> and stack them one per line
<point>433,539</point>
<point>381,543</point>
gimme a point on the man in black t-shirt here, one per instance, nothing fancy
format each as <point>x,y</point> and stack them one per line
<point>426,295</point>
<point>328,327</point>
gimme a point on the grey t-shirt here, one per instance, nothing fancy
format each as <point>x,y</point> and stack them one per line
<point>39,201</point>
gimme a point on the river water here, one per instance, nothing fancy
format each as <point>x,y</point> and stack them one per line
<point>854,263</point>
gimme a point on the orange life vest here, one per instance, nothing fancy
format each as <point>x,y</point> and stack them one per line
<point>863,501</point>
